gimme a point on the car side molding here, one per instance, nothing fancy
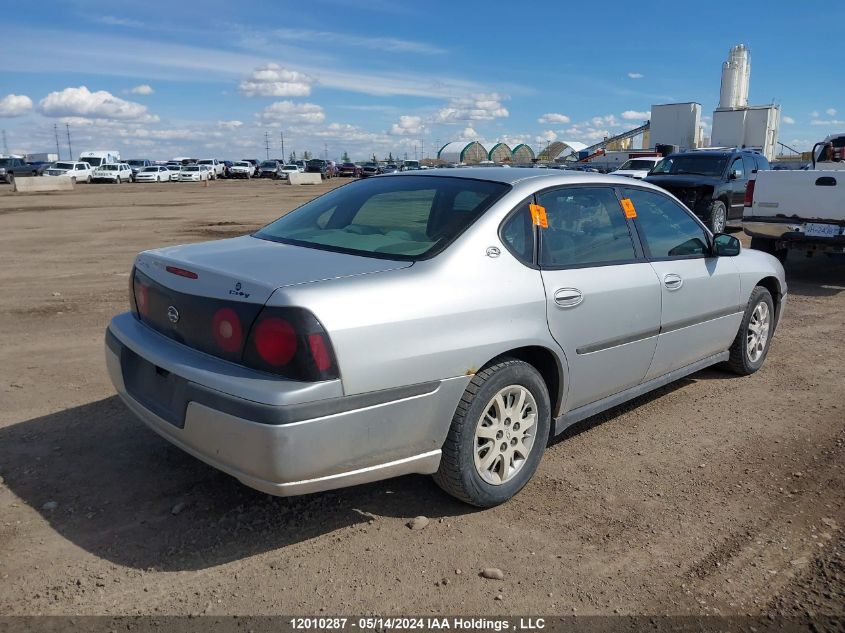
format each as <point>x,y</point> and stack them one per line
<point>594,408</point>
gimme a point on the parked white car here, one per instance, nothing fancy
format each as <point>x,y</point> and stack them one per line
<point>215,166</point>
<point>287,170</point>
<point>112,172</point>
<point>174,170</point>
<point>242,169</point>
<point>154,173</point>
<point>194,173</point>
<point>78,172</point>
<point>637,167</point>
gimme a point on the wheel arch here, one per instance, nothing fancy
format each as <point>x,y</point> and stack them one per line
<point>551,368</point>
<point>772,284</point>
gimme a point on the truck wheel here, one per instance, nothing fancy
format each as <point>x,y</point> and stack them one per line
<point>751,345</point>
<point>117,180</point>
<point>498,434</point>
<point>88,180</point>
<point>769,246</point>
<point>718,215</point>
<point>10,178</point>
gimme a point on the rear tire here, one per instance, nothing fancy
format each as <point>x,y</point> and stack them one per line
<point>117,180</point>
<point>769,246</point>
<point>718,217</point>
<point>751,345</point>
<point>88,180</point>
<point>484,461</point>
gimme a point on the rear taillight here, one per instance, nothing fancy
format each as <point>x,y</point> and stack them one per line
<point>139,296</point>
<point>749,193</point>
<point>290,342</point>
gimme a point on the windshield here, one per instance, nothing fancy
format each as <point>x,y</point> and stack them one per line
<point>63,166</point>
<point>290,168</point>
<point>241,164</point>
<point>269,164</point>
<point>691,164</point>
<point>205,162</point>
<point>395,218</point>
<point>637,163</point>
<point>317,162</point>
<point>135,163</point>
<point>4,162</point>
<point>191,168</point>
<point>94,162</point>
<point>109,167</point>
<point>145,169</point>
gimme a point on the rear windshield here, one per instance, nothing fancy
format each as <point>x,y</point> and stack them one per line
<point>109,168</point>
<point>692,164</point>
<point>269,164</point>
<point>63,166</point>
<point>400,217</point>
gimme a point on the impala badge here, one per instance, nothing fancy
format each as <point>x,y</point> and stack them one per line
<point>173,314</point>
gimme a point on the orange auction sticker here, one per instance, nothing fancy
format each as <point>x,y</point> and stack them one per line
<point>628,207</point>
<point>538,216</point>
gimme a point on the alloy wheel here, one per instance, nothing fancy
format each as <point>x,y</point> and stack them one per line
<point>505,434</point>
<point>758,332</point>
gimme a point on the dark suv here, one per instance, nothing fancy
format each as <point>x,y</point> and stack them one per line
<point>711,183</point>
<point>318,166</point>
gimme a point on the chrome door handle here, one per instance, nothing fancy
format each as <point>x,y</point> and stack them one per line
<point>673,281</point>
<point>568,297</point>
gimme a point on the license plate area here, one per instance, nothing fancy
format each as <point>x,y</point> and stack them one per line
<point>162,392</point>
<point>815,229</point>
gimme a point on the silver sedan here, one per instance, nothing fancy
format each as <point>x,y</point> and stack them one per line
<point>440,322</point>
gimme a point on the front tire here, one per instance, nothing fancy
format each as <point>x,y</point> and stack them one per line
<point>751,345</point>
<point>117,180</point>
<point>718,217</point>
<point>498,434</point>
<point>88,180</point>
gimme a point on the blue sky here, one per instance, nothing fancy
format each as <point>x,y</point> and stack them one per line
<point>209,79</point>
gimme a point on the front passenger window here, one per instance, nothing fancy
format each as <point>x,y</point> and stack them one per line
<point>665,227</point>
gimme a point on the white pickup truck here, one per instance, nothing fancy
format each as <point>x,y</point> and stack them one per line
<point>800,210</point>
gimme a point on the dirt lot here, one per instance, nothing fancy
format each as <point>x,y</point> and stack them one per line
<point>715,495</point>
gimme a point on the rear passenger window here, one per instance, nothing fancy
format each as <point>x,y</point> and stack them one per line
<point>518,234</point>
<point>665,227</point>
<point>586,226</point>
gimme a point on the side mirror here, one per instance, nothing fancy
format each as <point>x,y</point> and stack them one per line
<point>734,175</point>
<point>725,245</point>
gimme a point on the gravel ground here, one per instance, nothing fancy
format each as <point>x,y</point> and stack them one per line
<point>715,495</point>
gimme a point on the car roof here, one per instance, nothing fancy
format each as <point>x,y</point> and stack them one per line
<point>513,176</point>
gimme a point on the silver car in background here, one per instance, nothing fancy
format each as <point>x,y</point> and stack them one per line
<point>447,322</point>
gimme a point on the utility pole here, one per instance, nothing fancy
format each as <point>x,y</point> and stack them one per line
<point>56,133</point>
<point>415,151</point>
<point>326,151</point>
<point>422,148</point>
<point>5,144</point>
<point>267,144</point>
<point>282,135</point>
<point>69,150</point>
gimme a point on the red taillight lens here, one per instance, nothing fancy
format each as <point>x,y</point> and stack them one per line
<point>319,352</point>
<point>181,272</point>
<point>749,193</point>
<point>227,330</point>
<point>275,341</point>
<point>142,297</point>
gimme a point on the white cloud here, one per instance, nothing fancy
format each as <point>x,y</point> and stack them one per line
<point>608,120</point>
<point>113,21</point>
<point>230,125</point>
<point>13,105</point>
<point>546,136</point>
<point>788,120</point>
<point>274,81</point>
<point>469,134</point>
<point>388,44</point>
<point>553,117</point>
<point>290,113</point>
<point>81,102</point>
<point>635,75</point>
<point>407,125</point>
<point>475,107</point>
<point>814,114</point>
<point>830,111</point>
<point>829,122</point>
<point>143,89</point>
<point>634,115</point>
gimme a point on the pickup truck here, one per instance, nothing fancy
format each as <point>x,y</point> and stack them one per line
<point>11,167</point>
<point>803,209</point>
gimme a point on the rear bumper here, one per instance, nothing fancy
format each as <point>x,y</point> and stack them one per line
<point>790,233</point>
<point>296,448</point>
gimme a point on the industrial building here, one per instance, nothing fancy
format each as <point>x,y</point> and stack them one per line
<point>500,153</point>
<point>462,152</point>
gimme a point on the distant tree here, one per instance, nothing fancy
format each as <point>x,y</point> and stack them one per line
<point>292,158</point>
<point>345,157</point>
<point>390,157</point>
<point>375,160</point>
<point>306,155</point>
